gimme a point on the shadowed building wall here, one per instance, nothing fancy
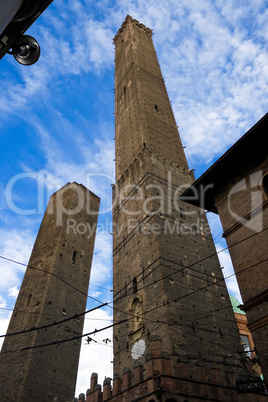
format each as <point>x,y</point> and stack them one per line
<point>238,192</point>
<point>54,288</point>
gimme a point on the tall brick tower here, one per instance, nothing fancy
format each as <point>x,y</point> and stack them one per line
<point>54,288</point>
<point>168,283</point>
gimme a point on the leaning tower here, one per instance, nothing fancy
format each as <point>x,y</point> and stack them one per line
<point>41,364</point>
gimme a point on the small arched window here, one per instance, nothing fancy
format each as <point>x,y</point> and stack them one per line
<point>136,311</point>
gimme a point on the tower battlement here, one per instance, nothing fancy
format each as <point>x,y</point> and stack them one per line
<point>134,22</point>
<point>156,376</point>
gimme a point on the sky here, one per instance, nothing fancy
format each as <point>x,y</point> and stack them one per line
<point>57,121</point>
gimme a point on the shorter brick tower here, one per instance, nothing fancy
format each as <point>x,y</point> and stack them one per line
<point>54,288</point>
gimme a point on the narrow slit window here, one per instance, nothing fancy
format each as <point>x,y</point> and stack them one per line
<point>134,282</point>
<point>74,257</point>
<point>29,299</point>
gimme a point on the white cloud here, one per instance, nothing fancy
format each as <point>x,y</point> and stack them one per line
<point>76,46</point>
<point>102,260</point>
<point>206,46</point>
<point>95,168</point>
<point>262,22</point>
<point>215,69</point>
<point>3,328</point>
<point>13,292</point>
<point>94,293</point>
<point>224,256</point>
<point>2,302</point>
<point>228,273</point>
<point>16,245</point>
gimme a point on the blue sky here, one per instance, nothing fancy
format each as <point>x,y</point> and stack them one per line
<point>57,122</point>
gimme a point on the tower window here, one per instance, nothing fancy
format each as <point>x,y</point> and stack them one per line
<point>156,107</point>
<point>29,299</point>
<point>134,283</point>
<point>137,312</point>
<point>246,345</point>
<point>74,257</point>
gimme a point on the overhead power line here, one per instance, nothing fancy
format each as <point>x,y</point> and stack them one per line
<point>125,320</point>
<point>62,276</point>
<point>47,314</point>
<point>50,273</point>
<point>152,283</point>
<point>184,268</point>
<point>54,323</point>
<point>66,340</point>
<point>210,284</point>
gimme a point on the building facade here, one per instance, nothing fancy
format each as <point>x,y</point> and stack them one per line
<point>238,192</point>
<point>249,355</point>
<point>34,364</point>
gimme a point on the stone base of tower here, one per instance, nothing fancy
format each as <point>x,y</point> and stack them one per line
<point>155,381</point>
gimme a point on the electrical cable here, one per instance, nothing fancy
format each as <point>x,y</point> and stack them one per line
<point>166,303</point>
<point>63,276</point>
<point>65,340</point>
<point>47,314</point>
<point>197,290</point>
<point>53,324</point>
<point>190,265</point>
<point>183,296</point>
<point>217,252</point>
<point>50,273</point>
<point>53,274</point>
<point>125,320</point>
<point>159,322</point>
